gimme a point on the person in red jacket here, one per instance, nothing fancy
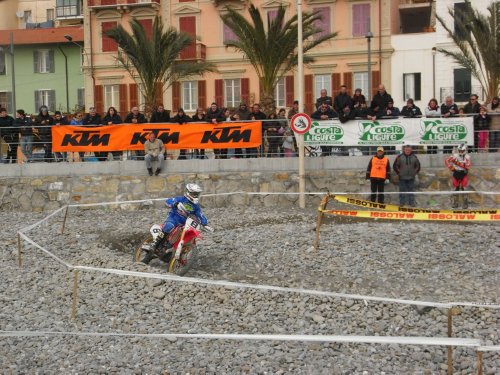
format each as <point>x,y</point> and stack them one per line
<point>459,164</point>
<point>378,172</point>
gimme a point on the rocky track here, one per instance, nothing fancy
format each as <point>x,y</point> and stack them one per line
<point>438,262</point>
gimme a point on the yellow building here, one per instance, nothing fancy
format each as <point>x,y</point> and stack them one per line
<point>341,61</point>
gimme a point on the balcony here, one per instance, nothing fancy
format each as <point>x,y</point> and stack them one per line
<point>416,16</point>
<point>123,4</point>
<point>196,51</point>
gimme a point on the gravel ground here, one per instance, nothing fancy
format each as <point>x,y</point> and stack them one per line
<point>412,260</point>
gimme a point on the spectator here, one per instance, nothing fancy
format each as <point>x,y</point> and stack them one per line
<point>379,101</point>
<point>255,115</point>
<point>481,130</point>
<point>6,132</point>
<point>78,120</point>
<point>346,114</point>
<point>294,110</point>
<point>473,106</point>
<point>112,117</point>
<point>449,108</point>
<point>288,143</point>
<point>494,112</point>
<point>324,98</point>
<point>432,110</point>
<point>181,118</point>
<point>406,166</point>
<point>154,151</point>
<point>324,112</point>
<point>25,127</point>
<point>60,120</point>
<point>391,111</point>
<point>242,113</point>
<point>93,119</point>
<point>282,128</point>
<point>272,135</point>
<point>410,109</point>
<point>43,123</point>
<point>342,100</point>
<point>160,115</point>
<point>199,116</point>
<point>214,116</point>
<point>359,104</point>
<point>378,171</point>
<point>135,117</point>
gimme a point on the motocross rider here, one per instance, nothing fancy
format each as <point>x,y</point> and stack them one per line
<point>180,208</point>
<point>459,164</point>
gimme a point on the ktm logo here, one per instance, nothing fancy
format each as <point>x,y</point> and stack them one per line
<point>226,135</point>
<point>163,134</point>
<point>86,138</point>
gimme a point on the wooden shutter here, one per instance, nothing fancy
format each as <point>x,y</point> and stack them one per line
<point>108,44</point>
<point>245,90</point>
<point>289,91</point>
<point>188,25</point>
<point>219,92</point>
<point>348,82</point>
<point>122,97</point>
<point>148,27</point>
<point>51,67</point>
<point>8,105</point>
<point>99,98</point>
<point>36,65</point>
<point>418,86</point>
<point>308,93</point>
<point>375,82</point>
<point>202,94</point>
<point>335,84</point>
<point>158,93</point>
<point>132,94</point>
<point>37,101</point>
<point>176,96</point>
<point>52,100</point>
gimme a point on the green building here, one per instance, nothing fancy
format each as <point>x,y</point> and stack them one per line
<point>47,69</point>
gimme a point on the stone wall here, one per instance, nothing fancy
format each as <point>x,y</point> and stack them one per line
<point>48,186</point>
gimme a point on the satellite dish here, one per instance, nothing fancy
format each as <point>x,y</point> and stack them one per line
<point>20,14</point>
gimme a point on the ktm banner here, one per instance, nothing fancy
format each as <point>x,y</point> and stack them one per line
<point>174,136</point>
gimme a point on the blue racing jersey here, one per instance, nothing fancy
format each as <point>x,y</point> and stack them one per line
<point>192,209</point>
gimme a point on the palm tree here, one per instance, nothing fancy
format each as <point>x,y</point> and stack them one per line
<point>272,53</point>
<point>153,59</point>
<point>478,40</point>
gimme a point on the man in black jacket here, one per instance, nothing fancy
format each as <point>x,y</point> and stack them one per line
<point>380,101</point>
<point>6,132</point>
<point>43,123</point>
<point>135,117</point>
<point>160,115</point>
<point>256,115</point>
<point>342,100</point>
<point>215,115</point>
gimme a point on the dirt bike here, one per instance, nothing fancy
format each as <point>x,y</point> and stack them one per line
<point>179,249</point>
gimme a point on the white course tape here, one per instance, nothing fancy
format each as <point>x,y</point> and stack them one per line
<point>322,293</point>
<point>29,240</point>
<point>495,348</point>
<point>29,227</point>
<point>436,341</point>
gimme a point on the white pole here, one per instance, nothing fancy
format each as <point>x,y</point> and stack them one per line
<point>300,137</point>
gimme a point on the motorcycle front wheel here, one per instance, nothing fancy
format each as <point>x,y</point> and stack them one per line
<point>183,264</point>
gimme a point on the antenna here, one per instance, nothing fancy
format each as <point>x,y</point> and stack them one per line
<point>20,14</point>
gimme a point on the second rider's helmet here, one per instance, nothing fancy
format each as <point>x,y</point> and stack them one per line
<point>193,192</point>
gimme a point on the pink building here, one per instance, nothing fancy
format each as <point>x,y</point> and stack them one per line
<point>341,61</point>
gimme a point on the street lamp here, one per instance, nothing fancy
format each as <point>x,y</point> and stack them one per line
<point>369,36</point>
<point>434,72</point>
<point>66,72</point>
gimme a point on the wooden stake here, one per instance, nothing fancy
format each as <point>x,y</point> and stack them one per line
<point>19,250</point>
<point>64,220</point>
<point>450,348</point>
<point>319,221</point>
<point>75,294</point>
<point>479,363</point>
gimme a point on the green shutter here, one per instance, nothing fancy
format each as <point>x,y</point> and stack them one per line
<point>36,67</point>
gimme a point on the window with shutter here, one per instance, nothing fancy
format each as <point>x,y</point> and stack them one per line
<point>2,61</point>
<point>43,61</point>
<point>462,84</point>
<point>47,98</point>
<point>51,63</point>
<point>228,34</point>
<point>411,86</point>
<point>361,82</point>
<point>232,93</point>
<point>308,93</point>
<point>290,94</point>
<point>80,94</point>
<point>6,101</point>
<point>51,100</point>
<point>335,84</point>
<point>112,97</point>
<point>322,81</point>
<point>190,95</point>
<point>108,44</point>
<point>188,25</point>
<point>38,104</point>
<point>360,19</point>
<point>271,15</point>
<point>280,92</point>
<point>323,24</point>
<point>148,27</point>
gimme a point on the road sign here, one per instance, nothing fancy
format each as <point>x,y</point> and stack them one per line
<point>300,123</point>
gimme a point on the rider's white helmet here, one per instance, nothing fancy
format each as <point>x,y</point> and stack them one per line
<point>193,192</point>
<point>462,147</point>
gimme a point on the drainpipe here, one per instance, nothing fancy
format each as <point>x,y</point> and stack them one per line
<point>92,60</point>
<point>380,38</point>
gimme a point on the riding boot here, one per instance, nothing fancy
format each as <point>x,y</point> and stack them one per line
<point>157,242</point>
<point>465,203</point>
<point>148,258</point>
<point>455,199</point>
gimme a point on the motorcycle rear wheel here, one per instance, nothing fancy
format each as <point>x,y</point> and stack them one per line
<point>138,251</point>
<point>183,264</point>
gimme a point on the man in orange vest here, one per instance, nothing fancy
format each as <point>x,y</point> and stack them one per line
<point>378,172</point>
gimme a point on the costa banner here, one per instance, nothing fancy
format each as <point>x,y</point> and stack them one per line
<point>174,136</point>
<point>388,132</point>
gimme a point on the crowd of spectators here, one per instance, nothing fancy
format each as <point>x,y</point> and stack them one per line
<point>278,140</point>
